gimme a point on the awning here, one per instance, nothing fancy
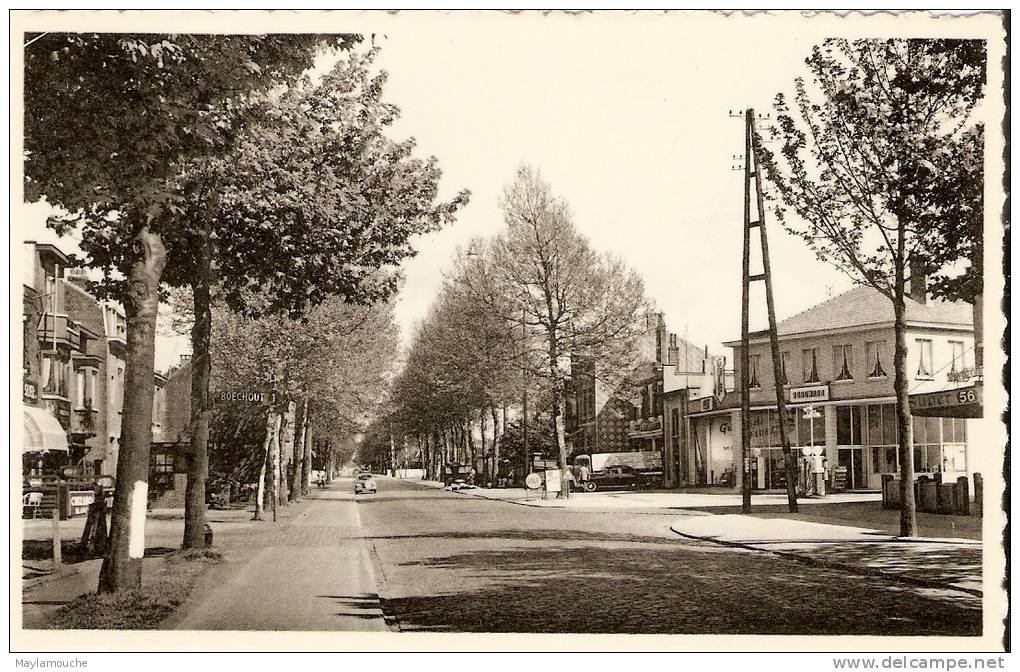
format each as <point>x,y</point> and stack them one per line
<point>42,432</point>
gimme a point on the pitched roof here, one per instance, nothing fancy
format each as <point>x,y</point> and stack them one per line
<point>866,305</point>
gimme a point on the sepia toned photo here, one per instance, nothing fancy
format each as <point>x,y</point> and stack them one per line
<point>508,331</point>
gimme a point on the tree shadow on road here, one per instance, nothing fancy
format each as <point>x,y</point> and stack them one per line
<point>586,588</point>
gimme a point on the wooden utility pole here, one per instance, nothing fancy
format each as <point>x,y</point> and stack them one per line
<point>751,140</point>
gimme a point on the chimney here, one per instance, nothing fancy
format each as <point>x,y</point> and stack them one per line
<point>661,339</point>
<point>673,354</point>
<point>918,289</point>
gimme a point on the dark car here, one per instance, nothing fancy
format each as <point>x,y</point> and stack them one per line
<point>618,476</point>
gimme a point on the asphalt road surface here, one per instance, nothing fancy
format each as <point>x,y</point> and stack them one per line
<point>415,558</point>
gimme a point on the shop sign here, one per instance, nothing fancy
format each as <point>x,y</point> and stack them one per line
<point>719,377</point>
<point>31,393</point>
<point>552,480</point>
<point>965,402</point>
<point>810,393</point>
<point>707,403</point>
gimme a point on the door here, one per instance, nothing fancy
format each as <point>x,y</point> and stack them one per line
<point>852,459</point>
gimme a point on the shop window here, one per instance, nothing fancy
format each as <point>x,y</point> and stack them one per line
<point>811,431</point>
<point>884,460</point>
<point>873,351</point>
<point>848,425</point>
<point>755,363</point>
<point>925,368</point>
<point>809,362</point>
<point>843,362</point>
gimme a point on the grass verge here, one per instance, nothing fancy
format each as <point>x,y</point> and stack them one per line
<point>142,609</point>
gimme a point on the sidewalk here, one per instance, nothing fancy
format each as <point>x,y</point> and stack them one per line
<point>645,500</point>
<point>953,564</point>
<point>847,509</point>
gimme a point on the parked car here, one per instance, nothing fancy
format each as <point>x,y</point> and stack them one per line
<point>365,483</point>
<point>617,476</point>
<point>460,485</point>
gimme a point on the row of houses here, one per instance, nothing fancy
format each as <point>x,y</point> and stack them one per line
<point>74,348</point>
<point>681,408</point>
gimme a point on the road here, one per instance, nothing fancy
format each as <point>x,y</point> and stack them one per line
<point>414,558</point>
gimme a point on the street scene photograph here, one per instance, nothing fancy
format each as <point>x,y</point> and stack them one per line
<point>360,331</point>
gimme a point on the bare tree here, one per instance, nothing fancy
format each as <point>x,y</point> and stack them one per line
<point>573,301</point>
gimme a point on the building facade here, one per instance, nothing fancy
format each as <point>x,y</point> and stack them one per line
<point>837,377</point>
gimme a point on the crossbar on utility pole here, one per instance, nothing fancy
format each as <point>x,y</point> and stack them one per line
<point>751,141</point>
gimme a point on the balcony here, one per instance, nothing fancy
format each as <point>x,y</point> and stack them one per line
<point>645,427</point>
<point>57,330</point>
<point>83,421</point>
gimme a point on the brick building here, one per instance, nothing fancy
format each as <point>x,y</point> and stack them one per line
<point>837,357</point>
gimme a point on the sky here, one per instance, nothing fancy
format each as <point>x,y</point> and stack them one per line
<point>627,117</point>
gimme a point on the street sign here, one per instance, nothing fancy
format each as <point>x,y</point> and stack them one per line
<point>533,481</point>
<point>224,397</point>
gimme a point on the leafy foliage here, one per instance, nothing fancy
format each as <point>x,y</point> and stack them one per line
<point>315,185</point>
<point>881,141</point>
<point>111,121</point>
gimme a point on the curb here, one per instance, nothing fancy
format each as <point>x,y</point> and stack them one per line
<point>836,564</point>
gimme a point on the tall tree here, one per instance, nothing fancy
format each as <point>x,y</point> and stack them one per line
<point>336,358</point>
<point>578,303</point>
<point>315,184</point>
<point>871,164</point>
<point>110,122</point>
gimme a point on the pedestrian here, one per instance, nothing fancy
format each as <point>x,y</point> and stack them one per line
<point>568,479</point>
<point>585,474</point>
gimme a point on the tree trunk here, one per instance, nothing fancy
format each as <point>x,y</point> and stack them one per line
<point>272,479</point>
<point>201,367</point>
<point>557,414</point>
<point>266,448</point>
<point>299,452</point>
<point>908,513</point>
<point>122,564</point>
<point>496,438</point>
<point>306,468</point>
<point>286,452</point>
<point>483,457</point>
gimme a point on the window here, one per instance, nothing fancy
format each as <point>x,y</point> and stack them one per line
<point>843,362</point>
<point>924,363</point>
<point>811,431</point>
<point>79,390</point>
<point>55,374</point>
<point>809,361</point>
<point>848,425</point>
<point>674,422</point>
<point>162,476</point>
<point>957,351</point>
<point>784,358</point>
<point>755,363</point>
<point>873,351</point>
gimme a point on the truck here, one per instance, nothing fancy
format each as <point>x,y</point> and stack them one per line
<point>624,469</point>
